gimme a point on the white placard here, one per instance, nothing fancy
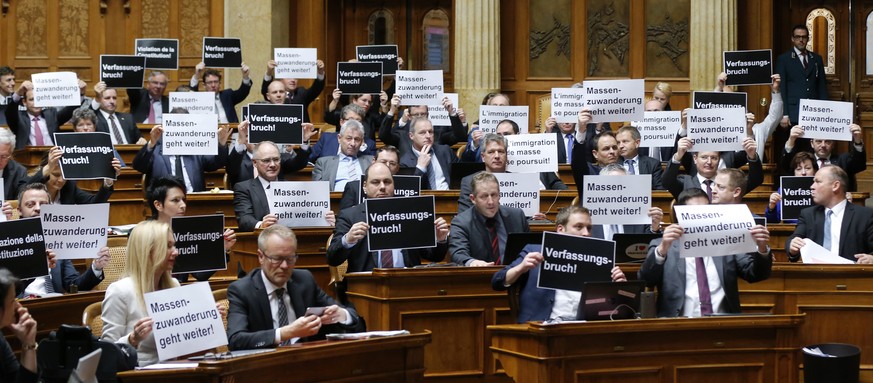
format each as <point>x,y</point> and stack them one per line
<point>566,104</point>
<point>521,190</point>
<point>190,134</point>
<point>295,62</point>
<point>438,114</point>
<point>55,89</point>
<point>812,252</point>
<point>185,320</point>
<point>825,120</point>
<point>716,130</point>
<point>659,129</point>
<point>419,87</point>
<point>532,153</point>
<point>75,231</point>
<point>715,230</point>
<point>620,200</point>
<point>194,102</point>
<point>490,116</point>
<point>300,203</point>
<point>615,100</point>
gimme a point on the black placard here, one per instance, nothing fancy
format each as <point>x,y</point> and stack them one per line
<point>796,196</point>
<point>200,242</point>
<point>87,156</point>
<point>748,67</point>
<point>386,54</point>
<point>122,71</point>
<point>359,78</point>
<point>159,53</point>
<point>404,186</point>
<point>401,223</point>
<point>280,123</point>
<point>712,100</point>
<point>222,52</point>
<point>569,261</point>
<point>22,248</point>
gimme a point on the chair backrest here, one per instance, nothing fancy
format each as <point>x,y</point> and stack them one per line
<point>221,299</point>
<point>115,269</point>
<point>337,273</point>
<point>460,151</point>
<point>15,213</point>
<point>543,112</point>
<point>91,318</point>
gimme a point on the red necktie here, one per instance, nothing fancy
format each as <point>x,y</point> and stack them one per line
<point>37,132</point>
<point>703,288</point>
<point>491,223</point>
<point>152,119</point>
<point>386,258</point>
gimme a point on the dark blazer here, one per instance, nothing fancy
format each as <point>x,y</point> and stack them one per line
<point>250,203</point>
<point>442,153</point>
<point>649,165</point>
<point>328,145</point>
<point>14,177</point>
<point>351,193</point>
<point>675,183</point>
<point>362,260</point>
<point>250,321</point>
<point>153,163</point>
<point>240,166</point>
<point>64,275</point>
<point>10,370</point>
<point>549,179</point>
<point>125,122</point>
<point>140,104</point>
<point>852,161</point>
<point>19,121</point>
<point>670,277</point>
<point>301,95</point>
<point>799,83</point>
<point>230,97</point>
<point>399,135</point>
<point>666,152</point>
<point>856,233</point>
<point>469,238</point>
<point>535,304</point>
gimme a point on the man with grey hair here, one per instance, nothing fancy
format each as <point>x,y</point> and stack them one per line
<point>328,145</point>
<point>240,166</point>
<point>435,175</point>
<point>149,105</point>
<point>348,165</point>
<point>14,175</point>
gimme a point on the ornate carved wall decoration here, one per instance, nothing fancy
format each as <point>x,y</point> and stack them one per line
<point>30,29</point>
<point>155,18</point>
<point>830,50</point>
<point>667,38</point>
<point>74,28</point>
<point>196,14</point>
<point>549,38</point>
<point>608,29</point>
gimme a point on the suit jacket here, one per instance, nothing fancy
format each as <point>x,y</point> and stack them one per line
<point>798,83</point>
<point>19,122</point>
<point>153,163</point>
<point>125,122</point>
<point>649,165</point>
<point>230,97</point>
<point>250,320</point>
<point>301,95</point>
<point>852,161</point>
<point>670,277</point>
<point>328,145</point>
<point>14,177</point>
<point>140,102</point>
<point>325,168</point>
<point>444,135</point>
<point>856,232</point>
<point>675,183</point>
<point>469,238</point>
<point>443,153</point>
<point>240,166</point>
<point>250,203</point>
<point>350,194</point>
<point>549,179</point>
<point>64,275</point>
<point>535,304</point>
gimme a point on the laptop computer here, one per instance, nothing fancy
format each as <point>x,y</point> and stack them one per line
<point>610,300</point>
<point>631,248</point>
<point>515,242</point>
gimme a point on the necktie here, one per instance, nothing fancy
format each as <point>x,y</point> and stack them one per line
<point>803,59</point>
<point>431,174</point>
<point>630,167</point>
<point>570,141</point>
<point>491,224</point>
<point>282,312</point>
<point>179,174</point>
<point>37,132</point>
<point>115,131</point>
<point>708,189</point>
<point>49,286</point>
<point>821,163</point>
<point>152,118</point>
<point>826,243</point>
<point>386,259</point>
<point>703,288</point>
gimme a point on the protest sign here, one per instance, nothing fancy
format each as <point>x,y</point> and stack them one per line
<point>659,129</point>
<point>520,190</point>
<point>716,130</point>
<point>622,200</point>
<point>190,134</point>
<point>22,248</point>
<point>419,87</point>
<point>532,153</point>
<point>614,100</point>
<point>569,261</point>
<point>200,242</point>
<point>566,104</point>
<point>222,52</point>
<point>194,102</point>
<point>185,320</point>
<point>490,116</point>
<point>796,196</point>
<point>386,54</point>
<point>122,71</point>
<point>715,230</point>
<point>400,223</point>
<point>718,100</point>
<point>159,53</point>
<point>438,114</point>
<point>300,203</point>
<point>404,186</point>
<point>751,67</point>
<point>359,78</point>
<point>826,120</point>
<point>295,62</point>
<point>280,123</point>
<point>55,89</point>
<point>87,156</point>
<point>75,231</point>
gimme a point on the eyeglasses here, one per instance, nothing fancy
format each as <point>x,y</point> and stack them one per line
<point>276,261</point>
<point>275,160</point>
<point>417,115</point>
<point>215,82</point>
<point>803,37</point>
<point>388,163</point>
<point>5,156</point>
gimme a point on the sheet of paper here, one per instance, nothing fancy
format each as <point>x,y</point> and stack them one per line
<point>813,253</point>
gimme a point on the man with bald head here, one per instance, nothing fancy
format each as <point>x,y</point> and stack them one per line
<point>37,125</point>
<point>291,93</point>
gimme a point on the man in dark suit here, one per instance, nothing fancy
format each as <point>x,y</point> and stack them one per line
<point>67,192</point>
<point>328,143</point>
<point>268,308</point>
<point>853,161</point>
<point>151,161</point>
<point>717,291</point>
<point>36,126</point>
<point>834,223</point>
<point>628,138</point>
<point>399,134</point>
<point>348,165</point>
<point>706,164</point>
<point>435,175</point>
<point>604,152</point>
<point>7,88</point>
<point>149,105</point>
<point>239,161</point>
<point>225,100</point>
<point>120,126</point>
<point>478,235</point>
<point>14,174</point>
<point>386,155</point>
<point>566,132</point>
<point>290,92</point>
<point>802,73</point>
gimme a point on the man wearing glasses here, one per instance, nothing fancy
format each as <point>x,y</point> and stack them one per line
<point>802,74</point>
<point>298,309</point>
<point>149,105</point>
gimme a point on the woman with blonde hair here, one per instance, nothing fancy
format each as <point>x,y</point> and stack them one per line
<point>662,93</point>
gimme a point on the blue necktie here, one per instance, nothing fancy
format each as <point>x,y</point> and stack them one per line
<point>630,167</point>
<point>570,142</point>
<point>826,243</point>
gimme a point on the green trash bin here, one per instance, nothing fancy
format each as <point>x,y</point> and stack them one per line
<point>842,366</point>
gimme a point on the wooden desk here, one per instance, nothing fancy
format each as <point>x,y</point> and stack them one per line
<point>394,359</point>
<point>717,349</point>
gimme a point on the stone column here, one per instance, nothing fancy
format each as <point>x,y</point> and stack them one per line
<point>713,31</point>
<point>477,53</point>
